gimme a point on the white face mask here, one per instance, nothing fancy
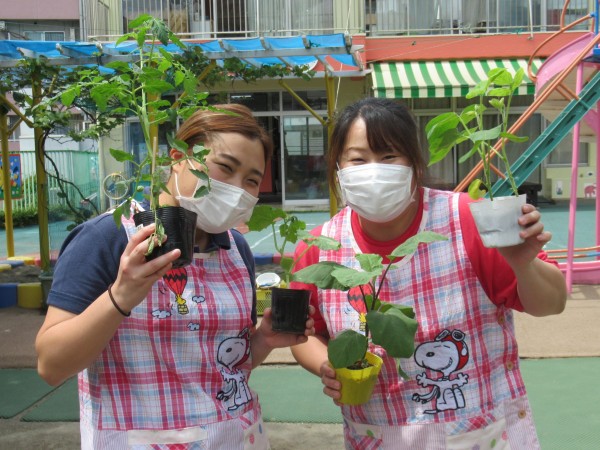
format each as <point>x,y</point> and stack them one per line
<point>224,207</point>
<point>377,192</point>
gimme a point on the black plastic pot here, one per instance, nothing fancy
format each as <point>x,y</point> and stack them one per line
<point>180,228</point>
<point>289,309</point>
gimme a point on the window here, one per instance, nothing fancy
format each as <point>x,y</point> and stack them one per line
<point>562,155</point>
<point>17,133</point>
<point>280,17</point>
<point>45,35</point>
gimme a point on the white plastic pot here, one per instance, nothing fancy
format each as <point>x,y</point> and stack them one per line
<point>497,220</point>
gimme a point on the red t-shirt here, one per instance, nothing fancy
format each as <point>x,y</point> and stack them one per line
<point>492,270</point>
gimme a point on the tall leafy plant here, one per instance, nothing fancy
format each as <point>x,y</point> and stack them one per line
<point>390,325</point>
<point>447,130</point>
<point>287,229</point>
<point>138,88</point>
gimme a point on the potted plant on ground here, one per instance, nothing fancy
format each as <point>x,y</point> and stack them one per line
<point>289,306</point>
<point>495,217</point>
<point>137,88</point>
<point>391,326</point>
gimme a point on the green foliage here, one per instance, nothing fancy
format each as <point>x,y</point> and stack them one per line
<point>138,89</point>
<point>389,325</point>
<point>287,229</point>
<point>447,130</point>
<point>23,217</point>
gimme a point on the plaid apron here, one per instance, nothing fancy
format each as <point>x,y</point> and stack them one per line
<point>465,389</point>
<point>175,374</point>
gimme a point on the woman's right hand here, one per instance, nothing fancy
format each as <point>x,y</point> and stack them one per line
<point>136,275</point>
<point>331,386</point>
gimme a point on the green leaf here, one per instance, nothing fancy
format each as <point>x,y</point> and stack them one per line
<point>476,189</point>
<point>478,90</point>
<point>157,86</point>
<point>350,278</point>
<point>320,275</point>
<point>487,135</point>
<point>322,242</point>
<point>201,192</point>
<point>410,245</point>
<point>179,77</point>
<point>141,19</point>
<point>470,153</point>
<point>499,92</point>
<point>498,103</point>
<point>117,215</point>
<point>120,155</point>
<point>441,123</point>
<point>190,84</point>
<point>286,263</point>
<point>177,144</point>
<point>69,95</point>
<point>518,79</point>
<point>370,262</point>
<point>264,216</point>
<point>394,331</point>
<point>406,310</point>
<point>514,138</point>
<point>346,348</point>
<point>500,76</point>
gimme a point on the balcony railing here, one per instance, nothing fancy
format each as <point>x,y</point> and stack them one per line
<point>209,19</point>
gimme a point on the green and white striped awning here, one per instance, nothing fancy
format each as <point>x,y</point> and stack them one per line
<point>431,79</point>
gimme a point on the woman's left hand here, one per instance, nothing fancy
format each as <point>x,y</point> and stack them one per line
<point>275,339</point>
<point>535,239</point>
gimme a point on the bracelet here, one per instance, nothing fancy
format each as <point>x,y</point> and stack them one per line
<point>112,299</point>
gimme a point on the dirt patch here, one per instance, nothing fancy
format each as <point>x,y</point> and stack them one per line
<point>21,274</point>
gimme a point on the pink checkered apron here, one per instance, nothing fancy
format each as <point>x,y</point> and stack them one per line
<point>465,389</point>
<point>175,375</point>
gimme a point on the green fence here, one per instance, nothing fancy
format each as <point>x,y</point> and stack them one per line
<point>79,171</point>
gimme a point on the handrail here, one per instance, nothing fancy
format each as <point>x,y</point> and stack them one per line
<point>530,74</point>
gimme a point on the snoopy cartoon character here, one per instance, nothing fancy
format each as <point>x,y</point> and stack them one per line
<point>446,354</point>
<point>232,353</point>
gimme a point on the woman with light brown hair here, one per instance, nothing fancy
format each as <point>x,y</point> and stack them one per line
<point>151,374</point>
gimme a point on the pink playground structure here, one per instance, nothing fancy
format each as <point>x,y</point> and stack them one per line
<point>576,63</point>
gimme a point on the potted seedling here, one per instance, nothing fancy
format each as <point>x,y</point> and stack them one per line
<point>496,218</point>
<point>389,325</point>
<point>137,88</point>
<point>289,306</point>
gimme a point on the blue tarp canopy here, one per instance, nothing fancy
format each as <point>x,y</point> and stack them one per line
<point>334,52</point>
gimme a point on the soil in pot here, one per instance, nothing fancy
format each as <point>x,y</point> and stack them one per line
<point>180,228</point>
<point>289,308</point>
<point>358,383</point>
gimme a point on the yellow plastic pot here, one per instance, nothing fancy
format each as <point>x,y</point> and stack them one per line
<point>357,385</point>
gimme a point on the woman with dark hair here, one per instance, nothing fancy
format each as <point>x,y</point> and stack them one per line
<point>464,388</point>
<point>164,355</point>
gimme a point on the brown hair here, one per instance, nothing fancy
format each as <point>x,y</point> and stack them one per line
<point>390,125</point>
<point>225,118</point>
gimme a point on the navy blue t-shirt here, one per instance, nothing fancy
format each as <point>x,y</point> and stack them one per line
<point>90,256</point>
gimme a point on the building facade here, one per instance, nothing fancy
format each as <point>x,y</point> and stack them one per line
<point>407,46</point>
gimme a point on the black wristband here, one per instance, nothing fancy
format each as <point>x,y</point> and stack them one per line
<point>112,299</point>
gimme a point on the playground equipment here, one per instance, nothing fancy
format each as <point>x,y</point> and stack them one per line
<point>568,109</point>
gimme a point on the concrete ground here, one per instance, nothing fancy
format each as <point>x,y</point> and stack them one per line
<point>573,333</point>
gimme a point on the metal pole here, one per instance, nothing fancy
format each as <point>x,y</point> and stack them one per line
<point>329,86</point>
<point>8,218</point>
